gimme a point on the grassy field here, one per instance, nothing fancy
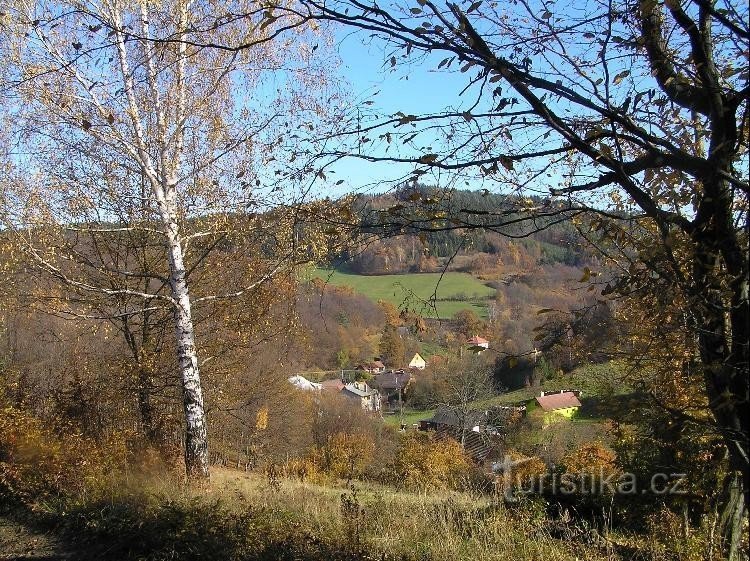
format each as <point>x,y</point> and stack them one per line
<point>454,292</point>
<point>411,416</point>
<point>594,380</point>
<point>380,522</point>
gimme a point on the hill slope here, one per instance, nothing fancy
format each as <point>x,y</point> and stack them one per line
<point>452,293</point>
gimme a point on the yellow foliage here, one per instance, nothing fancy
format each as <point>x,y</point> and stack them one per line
<point>525,468</point>
<point>591,458</point>
<point>261,418</point>
<point>426,461</point>
<point>35,463</point>
<point>347,455</point>
<point>305,469</point>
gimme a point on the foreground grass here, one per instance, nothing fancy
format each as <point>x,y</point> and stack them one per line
<point>245,516</point>
<point>383,523</point>
<point>417,289</point>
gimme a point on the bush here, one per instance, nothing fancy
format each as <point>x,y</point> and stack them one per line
<point>347,456</point>
<point>426,461</point>
<point>37,464</point>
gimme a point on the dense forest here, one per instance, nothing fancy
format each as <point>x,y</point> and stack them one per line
<point>443,245</point>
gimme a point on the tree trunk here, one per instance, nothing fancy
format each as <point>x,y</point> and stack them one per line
<point>196,439</point>
<point>145,406</point>
<point>733,517</point>
<point>723,325</point>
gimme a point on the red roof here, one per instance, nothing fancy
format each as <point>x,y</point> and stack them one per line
<point>333,385</point>
<point>477,340</point>
<point>555,401</point>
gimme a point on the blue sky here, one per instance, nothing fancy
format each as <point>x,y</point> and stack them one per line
<point>414,88</point>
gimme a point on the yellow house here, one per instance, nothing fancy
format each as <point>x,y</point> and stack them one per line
<point>417,362</point>
<point>558,406</point>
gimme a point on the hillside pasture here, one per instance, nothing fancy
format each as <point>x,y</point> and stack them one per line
<point>425,293</point>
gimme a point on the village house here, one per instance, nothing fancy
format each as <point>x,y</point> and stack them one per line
<point>391,385</point>
<point>333,385</point>
<point>417,362</point>
<point>476,436</point>
<point>558,405</point>
<point>478,344</point>
<point>374,367</point>
<point>363,395</point>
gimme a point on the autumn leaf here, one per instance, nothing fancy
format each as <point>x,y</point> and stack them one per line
<point>506,162</point>
<point>620,77</point>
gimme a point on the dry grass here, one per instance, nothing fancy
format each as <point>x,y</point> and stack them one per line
<point>441,525</point>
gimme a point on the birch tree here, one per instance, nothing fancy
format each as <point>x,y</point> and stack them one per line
<point>118,137</point>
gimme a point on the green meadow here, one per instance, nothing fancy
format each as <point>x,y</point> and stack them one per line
<point>424,293</point>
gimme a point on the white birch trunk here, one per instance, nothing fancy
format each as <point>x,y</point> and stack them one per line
<point>196,436</point>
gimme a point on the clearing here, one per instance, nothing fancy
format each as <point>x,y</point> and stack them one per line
<point>415,291</point>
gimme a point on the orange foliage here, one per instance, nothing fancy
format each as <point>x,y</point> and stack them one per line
<point>36,463</point>
<point>426,461</point>
<point>347,455</point>
<point>591,458</point>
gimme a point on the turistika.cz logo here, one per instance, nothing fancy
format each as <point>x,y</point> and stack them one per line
<point>515,484</point>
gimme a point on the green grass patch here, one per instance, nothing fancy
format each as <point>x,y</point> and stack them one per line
<point>601,381</point>
<point>454,292</point>
<point>411,416</point>
<point>428,349</point>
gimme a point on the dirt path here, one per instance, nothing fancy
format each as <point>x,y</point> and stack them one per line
<point>19,543</point>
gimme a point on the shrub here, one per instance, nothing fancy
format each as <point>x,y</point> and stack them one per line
<point>347,455</point>
<point>591,458</point>
<point>425,461</point>
<point>37,464</point>
<point>521,471</point>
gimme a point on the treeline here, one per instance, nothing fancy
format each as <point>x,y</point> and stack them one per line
<point>436,225</point>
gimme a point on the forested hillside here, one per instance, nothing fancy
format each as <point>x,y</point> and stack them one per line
<point>446,244</point>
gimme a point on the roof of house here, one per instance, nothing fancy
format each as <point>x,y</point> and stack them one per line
<point>370,366</point>
<point>303,383</point>
<point>552,402</point>
<point>391,380</point>
<point>360,390</point>
<point>417,356</point>
<point>477,340</point>
<point>451,418</point>
<point>333,384</point>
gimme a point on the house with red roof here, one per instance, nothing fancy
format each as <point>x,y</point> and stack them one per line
<point>374,367</point>
<point>478,344</point>
<point>558,405</point>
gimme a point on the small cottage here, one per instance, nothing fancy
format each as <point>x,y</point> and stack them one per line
<point>417,362</point>
<point>363,395</point>
<point>374,367</point>
<point>558,406</point>
<point>478,344</point>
